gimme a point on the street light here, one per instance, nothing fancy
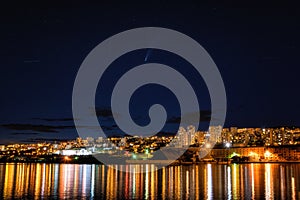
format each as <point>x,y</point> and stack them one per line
<point>134,156</point>
<point>227,145</point>
<point>268,154</point>
<point>66,158</point>
<point>147,152</point>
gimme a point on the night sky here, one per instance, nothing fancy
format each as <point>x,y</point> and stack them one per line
<point>256,49</point>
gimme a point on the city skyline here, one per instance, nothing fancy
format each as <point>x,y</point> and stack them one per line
<point>215,138</point>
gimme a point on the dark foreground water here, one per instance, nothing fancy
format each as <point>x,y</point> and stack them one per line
<point>203,181</point>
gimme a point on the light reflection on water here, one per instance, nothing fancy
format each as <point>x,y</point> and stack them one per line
<point>203,181</point>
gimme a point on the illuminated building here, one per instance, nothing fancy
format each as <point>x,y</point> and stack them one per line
<point>191,134</point>
<point>215,134</point>
<point>71,152</point>
<point>2,147</point>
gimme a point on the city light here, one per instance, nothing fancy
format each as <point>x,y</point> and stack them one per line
<point>234,154</point>
<point>134,156</point>
<point>268,154</point>
<point>227,145</point>
<point>250,144</point>
<point>252,154</point>
<point>147,151</point>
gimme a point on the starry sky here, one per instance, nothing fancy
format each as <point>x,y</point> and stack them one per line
<point>255,47</point>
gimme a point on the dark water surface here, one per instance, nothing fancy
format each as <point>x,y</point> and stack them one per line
<point>203,181</point>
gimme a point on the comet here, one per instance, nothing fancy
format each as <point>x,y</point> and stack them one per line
<point>149,51</point>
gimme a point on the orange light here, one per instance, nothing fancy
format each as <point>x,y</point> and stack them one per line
<point>253,154</point>
<point>268,154</point>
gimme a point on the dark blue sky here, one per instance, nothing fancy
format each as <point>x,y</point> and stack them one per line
<point>42,47</point>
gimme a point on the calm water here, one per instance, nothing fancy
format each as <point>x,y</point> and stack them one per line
<point>204,181</point>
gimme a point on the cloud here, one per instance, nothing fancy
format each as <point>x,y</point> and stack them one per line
<point>103,112</point>
<point>174,120</point>
<point>96,128</point>
<point>33,127</point>
<point>48,128</point>
<point>205,116</point>
<point>166,134</point>
<point>30,140</point>
<point>22,133</point>
<point>54,119</point>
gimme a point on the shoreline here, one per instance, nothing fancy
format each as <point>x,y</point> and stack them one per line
<point>157,162</point>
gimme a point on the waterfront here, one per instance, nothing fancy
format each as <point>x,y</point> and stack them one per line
<point>202,181</point>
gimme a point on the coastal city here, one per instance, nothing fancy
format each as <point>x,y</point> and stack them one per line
<point>150,100</point>
<point>218,144</point>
